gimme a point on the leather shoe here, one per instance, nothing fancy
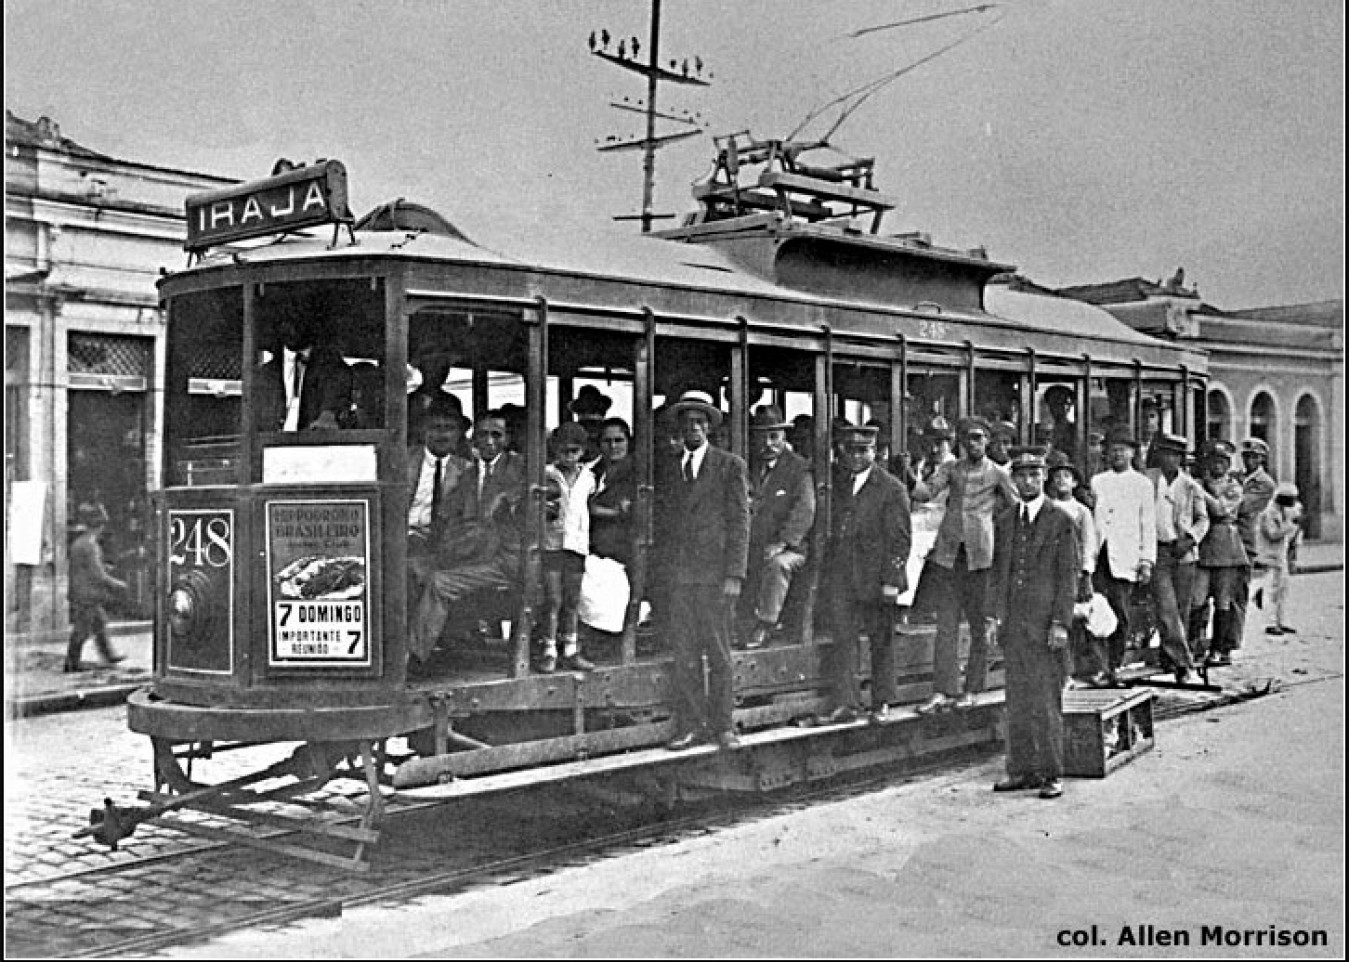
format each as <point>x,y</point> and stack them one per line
<point>1051,789</point>
<point>548,664</point>
<point>1219,660</point>
<point>729,741</point>
<point>70,667</point>
<point>937,702</point>
<point>1273,630</point>
<point>1287,630</point>
<point>842,715</point>
<point>1016,783</point>
<point>681,742</point>
<point>577,663</point>
<point>964,702</point>
<point>1182,676</point>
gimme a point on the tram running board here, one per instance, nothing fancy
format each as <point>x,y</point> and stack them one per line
<point>916,736</point>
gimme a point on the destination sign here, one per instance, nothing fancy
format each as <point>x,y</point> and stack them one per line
<point>297,198</point>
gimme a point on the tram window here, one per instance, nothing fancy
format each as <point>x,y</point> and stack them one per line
<point>203,406</point>
<point>786,379</point>
<point>862,396</point>
<point>479,357</point>
<point>1056,422</point>
<point>997,396</point>
<point>321,355</point>
<point>928,395</point>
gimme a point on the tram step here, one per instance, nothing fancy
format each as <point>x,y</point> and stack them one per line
<point>1103,729</point>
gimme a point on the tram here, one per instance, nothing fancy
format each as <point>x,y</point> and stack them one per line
<point>283,610</point>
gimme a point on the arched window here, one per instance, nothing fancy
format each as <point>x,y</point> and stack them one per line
<point>1219,416</point>
<point>1263,424</point>
<point>1307,461</point>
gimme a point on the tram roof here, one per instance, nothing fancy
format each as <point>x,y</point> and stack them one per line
<point>678,264</point>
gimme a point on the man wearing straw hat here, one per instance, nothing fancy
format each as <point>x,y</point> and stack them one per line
<point>705,541</point>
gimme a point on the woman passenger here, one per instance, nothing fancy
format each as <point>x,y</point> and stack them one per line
<point>611,508</point>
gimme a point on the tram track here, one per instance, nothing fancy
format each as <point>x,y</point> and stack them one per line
<point>114,920</point>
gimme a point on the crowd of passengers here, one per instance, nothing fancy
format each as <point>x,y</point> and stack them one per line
<point>1143,521</point>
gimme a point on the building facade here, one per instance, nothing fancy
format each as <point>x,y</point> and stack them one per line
<point>85,238</point>
<point>1275,373</point>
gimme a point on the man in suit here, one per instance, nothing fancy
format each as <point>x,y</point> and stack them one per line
<point>865,563</point>
<point>705,542</point>
<point>1182,522</point>
<point>782,511</point>
<point>303,386</point>
<point>976,489</point>
<point>1034,583</point>
<point>481,537</point>
<point>1126,527</point>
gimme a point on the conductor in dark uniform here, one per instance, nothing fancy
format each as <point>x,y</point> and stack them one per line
<point>1036,560</point>
<point>866,559</point>
<point>705,543</point>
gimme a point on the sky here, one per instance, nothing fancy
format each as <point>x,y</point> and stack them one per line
<point>1082,140</point>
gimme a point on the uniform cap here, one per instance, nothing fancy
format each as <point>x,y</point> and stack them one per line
<point>939,428</point>
<point>860,435</point>
<point>1026,459</point>
<point>1255,446</point>
<point>1172,442</point>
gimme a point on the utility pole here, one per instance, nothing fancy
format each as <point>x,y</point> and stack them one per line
<point>627,54</point>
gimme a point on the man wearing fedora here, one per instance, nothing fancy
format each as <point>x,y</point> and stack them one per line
<point>1182,522</point>
<point>1126,527</point>
<point>976,490</point>
<point>90,586</point>
<point>865,563</point>
<point>705,543</point>
<point>782,511</point>
<point>1032,589</point>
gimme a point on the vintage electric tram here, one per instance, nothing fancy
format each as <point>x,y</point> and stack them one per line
<point>283,609</point>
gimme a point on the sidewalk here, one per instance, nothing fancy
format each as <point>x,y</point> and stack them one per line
<point>35,684</point>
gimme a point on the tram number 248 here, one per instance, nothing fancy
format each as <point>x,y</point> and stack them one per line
<point>203,541</point>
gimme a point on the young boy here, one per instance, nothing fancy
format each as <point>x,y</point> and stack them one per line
<point>566,544</point>
<point>1275,532</point>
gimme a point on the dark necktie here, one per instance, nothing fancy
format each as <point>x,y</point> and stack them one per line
<point>688,469</point>
<point>435,490</point>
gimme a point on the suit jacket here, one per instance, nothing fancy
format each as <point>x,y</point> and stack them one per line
<point>869,536</point>
<point>497,510</point>
<point>1189,510</point>
<point>326,387</point>
<point>705,524</point>
<point>1036,588</point>
<point>782,506</point>
<point>976,493</point>
<point>1126,520</point>
<point>455,468</point>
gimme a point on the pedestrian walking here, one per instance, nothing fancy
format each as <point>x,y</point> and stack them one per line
<point>1033,586</point>
<point>92,585</point>
<point>1279,526</point>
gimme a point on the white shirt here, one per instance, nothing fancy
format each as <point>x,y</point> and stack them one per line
<point>571,530</point>
<point>1031,509</point>
<point>293,382</point>
<point>1166,506</point>
<point>419,514</point>
<point>692,463</point>
<point>859,479</point>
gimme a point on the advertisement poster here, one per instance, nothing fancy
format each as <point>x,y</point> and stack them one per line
<point>318,591</point>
